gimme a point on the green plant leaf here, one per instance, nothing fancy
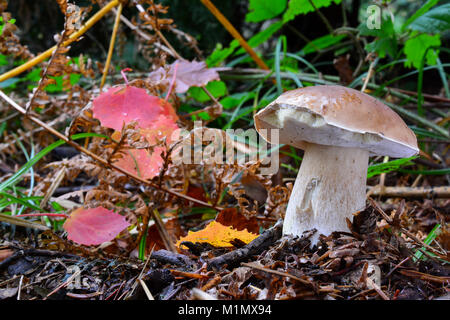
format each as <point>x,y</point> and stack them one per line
<point>236,99</point>
<point>427,6</point>
<point>217,89</point>
<point>434,21</point>
<point>262,36</point>
<point>417,45</point>
<point>389,166</point>
<point>297,7</point>
<point>321,43</point>
<point>220,54</point>
<point>260,10</point>
<point>385,38</point>
<point>18,175</point>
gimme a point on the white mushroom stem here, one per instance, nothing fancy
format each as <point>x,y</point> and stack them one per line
<point>330,187</point>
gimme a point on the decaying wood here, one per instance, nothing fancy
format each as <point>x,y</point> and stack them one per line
<point>178,259</point>
<point>255,247</point>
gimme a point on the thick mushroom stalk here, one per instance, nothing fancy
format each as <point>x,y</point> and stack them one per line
<point>330,187</point>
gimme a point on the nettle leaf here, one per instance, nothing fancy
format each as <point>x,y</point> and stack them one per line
<point>385,38</point>
<point>260,10</point>
<point>416,47</point>
<point>297,7</point>
<point>434,21</point>
<point>94,226</point>
<point>218,235</point>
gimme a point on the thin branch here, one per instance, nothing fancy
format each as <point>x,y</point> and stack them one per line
<point>74,36</point>
<point>232,30</point>
<point>111,45</point>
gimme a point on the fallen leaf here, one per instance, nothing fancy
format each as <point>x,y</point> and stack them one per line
<point>94,226</point>
<point>233,218</point>
<point>189,74</point>
<point>147,164</point>
<point>155,118</point>
<point>5,253</point>
<point>218,235</point>
<point>154,240</point>
<point>125,104</point>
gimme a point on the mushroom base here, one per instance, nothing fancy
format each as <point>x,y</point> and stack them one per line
<point>330,187</point>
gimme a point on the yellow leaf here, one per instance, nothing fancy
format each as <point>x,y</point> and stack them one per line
<point>218,235</point>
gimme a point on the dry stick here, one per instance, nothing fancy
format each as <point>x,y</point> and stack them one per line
<point>224,21</point>
<point>111,45</point>
<point>163,231</point>
<point>369,75</point>
<point>146,290</point>
<point>31,63</point>
<point>411,192</point>
<point>99,159</point>
<point>144,35</point>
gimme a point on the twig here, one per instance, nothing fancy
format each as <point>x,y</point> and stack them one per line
<point>163,231</point>
<point>372,284</point>
<point>146,290</point>
<point>99,159</point>
<point>22,222</point>
<point>410,192</point>
<point>20,287</point>
<point>74,36</point>
<point>255,247</point>
<point>258,266</point>
<point>111,45</point>
<point>232,30</point>
<point>369,75</point>
<point>165,256</point>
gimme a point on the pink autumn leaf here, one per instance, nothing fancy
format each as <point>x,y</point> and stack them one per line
<point>188,74</point>
<point>125,104</point>
<point>94,226</point>
<point>140,161</point>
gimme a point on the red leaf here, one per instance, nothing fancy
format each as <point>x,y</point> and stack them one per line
<point>94,226</point>
<point>233,218</point>
<point>155,118</point>
<point>125,104</point>
<point>142,163</point>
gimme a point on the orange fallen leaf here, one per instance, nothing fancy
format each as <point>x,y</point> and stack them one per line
<point>218,235</point>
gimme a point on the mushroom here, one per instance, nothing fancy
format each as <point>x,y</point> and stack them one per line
<point>338,128</point>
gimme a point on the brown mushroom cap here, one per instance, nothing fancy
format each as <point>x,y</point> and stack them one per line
<point>338,116</point>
